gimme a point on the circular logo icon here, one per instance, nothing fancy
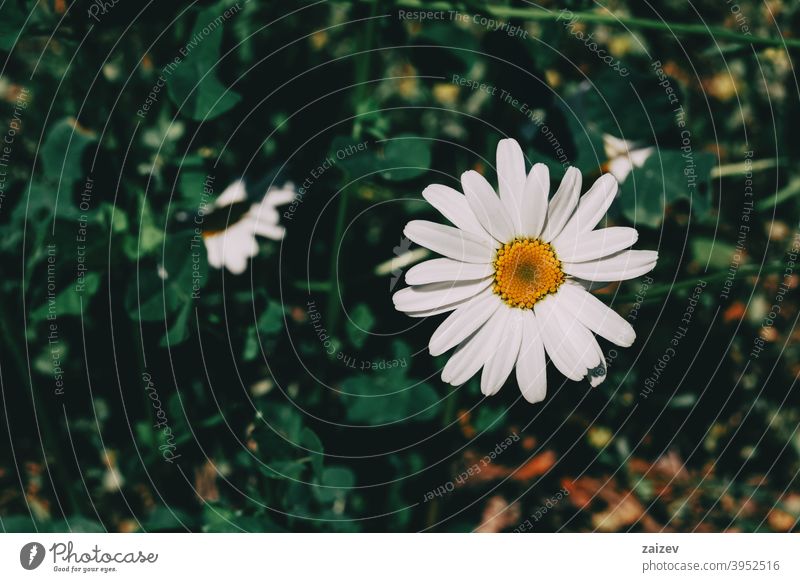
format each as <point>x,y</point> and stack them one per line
<point>31,555</point>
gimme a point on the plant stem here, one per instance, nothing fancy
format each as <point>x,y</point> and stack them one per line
<point>361,77</point>
<point>538,14</point>
<point>664,290</point>
<point>334,293</point>
<point>791,190</point>
<point>741,168</point>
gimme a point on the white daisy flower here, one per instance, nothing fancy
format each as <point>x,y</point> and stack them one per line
<point>235,243</point>
<point>623,156</point>
<point>515,274</point>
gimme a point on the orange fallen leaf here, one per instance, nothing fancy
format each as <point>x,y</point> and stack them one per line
<point>537,465</point>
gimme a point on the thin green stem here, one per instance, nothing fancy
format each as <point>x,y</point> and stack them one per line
<point>334,293</point>
<point>791,190</point>
<point>361,78</point>
<point>679,29</point>
<point>662,291</point>
<point>741,168</point>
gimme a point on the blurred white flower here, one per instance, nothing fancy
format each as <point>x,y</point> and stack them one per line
<point>623,156</point>
<point>515,274</point>
<point>236,243</point>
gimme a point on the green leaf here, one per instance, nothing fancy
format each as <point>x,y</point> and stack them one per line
<point>68,302</point>
<point>12,18</point>
<point>24,524</point>
<point>284,420</point>
<point>185,268</point>
<point>662,181</point>
<point>385,395</point>
<point>179,330</point>
<point>151,234</point>
<point>78,524</point>
<point>335,484</point>
<point>287,446</point>
<point>194,86</point>
<point>351,157</point>
<point>587,138</point>
<point>360,324</point>
<point>406,157</point>
<point>310,440</point>
<point>250,345</point>
<point>292,469</point>
<point>163,518</point>
<point>144,434</point>
<point>193,176</point>
<point>647,110</point>
<point>716,253</point>
<point>217,518</point>
<point>18,524</point>
<point>403,157</point>
<point>62,164</point>
<point>62,152</point>
<point>270,321</point>
<point>489,418</point>
<point>460,41</point>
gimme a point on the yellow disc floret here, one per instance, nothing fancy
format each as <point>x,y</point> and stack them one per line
<point>525,270</point>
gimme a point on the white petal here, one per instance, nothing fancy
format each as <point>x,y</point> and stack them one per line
<point>454,207</point>
<point>473,353</point>
<point>214,250</point>
<point>620,168</point>
<point>238,245</point>
<point>588,285</point>
<point>592,206</point>
<point>263,221</point>
<point>272,231</point>
<point>437,270</point>
<point>278,196</point>
<point>450,242</point>
<point>578,353</point>
<point>596,244</point>
<point>436,295</point>
<point>463,322</point>
<point>263,213</point>
<point>235,263</point>
<point>614,146</point>
<point>570,345</point>
<point>598,374</point>
<point>234,193</point>
<point>499,366</point>
<point>640,156</point>
<point>534,200</point>
<point>617,267</point>
<point>563,204</point>
<point>622,157</point>
<point>531,366</point>
<point>438,310</point>
<point>554,338</point>
<point>597,316</point>
<point>487,206</point>
<point>511,178</point>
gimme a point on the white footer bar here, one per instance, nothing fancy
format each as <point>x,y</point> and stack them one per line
<point>400,557</point>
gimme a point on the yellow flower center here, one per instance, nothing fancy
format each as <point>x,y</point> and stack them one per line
<point>525,270</point>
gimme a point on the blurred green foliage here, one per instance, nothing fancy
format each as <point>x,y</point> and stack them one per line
<point>280,422</point>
